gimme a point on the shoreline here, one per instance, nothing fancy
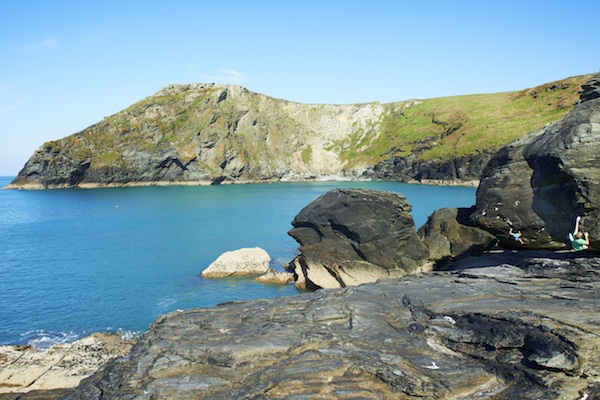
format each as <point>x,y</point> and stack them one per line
<point>97,185</point>
<point>54,372</point>
<point>62,366</point>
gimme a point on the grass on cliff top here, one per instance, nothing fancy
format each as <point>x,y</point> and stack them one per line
<point>433,128</point>
<point>460,125</point>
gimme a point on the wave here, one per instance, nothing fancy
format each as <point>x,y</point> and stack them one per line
<point>42,340</point>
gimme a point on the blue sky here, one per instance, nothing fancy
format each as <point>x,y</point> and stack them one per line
<point>65,65</point>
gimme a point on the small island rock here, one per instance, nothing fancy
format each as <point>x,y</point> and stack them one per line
<point>246,261</point>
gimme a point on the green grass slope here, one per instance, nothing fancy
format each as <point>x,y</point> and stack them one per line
<point>460,125</point>
<point>223,131</point>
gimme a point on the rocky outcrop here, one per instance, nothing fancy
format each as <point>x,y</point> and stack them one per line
<point>463,169</point>
<point>540,183</point>
<point>486,330</point>
<point>348,237</point>
<point>27,373</point>
<point>242,262</point>
<point>201,134</point>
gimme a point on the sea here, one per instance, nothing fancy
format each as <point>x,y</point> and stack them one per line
<point>78,261</point>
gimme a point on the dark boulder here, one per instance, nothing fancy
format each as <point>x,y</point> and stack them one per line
<point>504,198</point>
<point>348,237</point>
<point>449,235</point>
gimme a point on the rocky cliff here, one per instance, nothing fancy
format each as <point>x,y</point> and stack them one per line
<point>536,185</point>
<point>209,133</point>
<point>201,133</point>
<point>541,182</point>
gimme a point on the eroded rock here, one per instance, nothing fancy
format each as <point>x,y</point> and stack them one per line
<point>49,373</point>
<point>276,278</point>
<point>449,235</point>
<point>353,236</point>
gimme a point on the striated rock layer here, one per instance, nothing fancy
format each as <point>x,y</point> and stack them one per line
<point>353,236</point>
<point>487,330</point>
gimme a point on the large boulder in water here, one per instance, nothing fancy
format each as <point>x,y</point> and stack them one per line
<point>353,236</point>
<point>540,183</point>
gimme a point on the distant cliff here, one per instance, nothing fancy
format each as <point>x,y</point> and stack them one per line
<point>209,133</point>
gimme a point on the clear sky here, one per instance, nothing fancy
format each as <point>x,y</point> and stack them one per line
<point>65,65</point>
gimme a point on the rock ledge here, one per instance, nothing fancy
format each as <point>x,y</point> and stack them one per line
<point>527,329</point>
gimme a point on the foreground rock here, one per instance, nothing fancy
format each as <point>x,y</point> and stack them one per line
<point>504,332</point>
<point>353,236</point>
<point>242,262</point>
<point>48,373</point>
<point>541,182</point>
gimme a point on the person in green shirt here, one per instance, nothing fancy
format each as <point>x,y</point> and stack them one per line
<point>579,240</point>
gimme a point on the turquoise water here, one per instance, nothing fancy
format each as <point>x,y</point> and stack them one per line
<point>78,261</point>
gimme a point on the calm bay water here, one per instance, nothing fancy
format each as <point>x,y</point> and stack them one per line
<point>78,261</point>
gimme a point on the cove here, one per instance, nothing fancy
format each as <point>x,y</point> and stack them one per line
<point>77,261</point>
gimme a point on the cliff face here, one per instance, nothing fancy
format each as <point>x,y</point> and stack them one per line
<point>201,134</point>
<point>541,182</point>
<point>407,169</point>
<point>208,133</point>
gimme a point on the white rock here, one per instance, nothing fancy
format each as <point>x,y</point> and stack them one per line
<point>246,261</point>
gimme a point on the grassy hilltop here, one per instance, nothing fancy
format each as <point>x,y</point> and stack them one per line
<point>456,126</point>
<point>223,133</point>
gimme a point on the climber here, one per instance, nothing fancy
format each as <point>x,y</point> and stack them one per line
<point>579,240</point>
<point>516,236</point>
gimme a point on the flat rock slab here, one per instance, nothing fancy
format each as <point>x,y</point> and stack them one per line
<point>275,278</point>
<point>25,369</point>
<point>503,331</point>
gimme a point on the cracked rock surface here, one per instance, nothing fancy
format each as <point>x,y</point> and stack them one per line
<point>27,373</point>
<point>490,328</point>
